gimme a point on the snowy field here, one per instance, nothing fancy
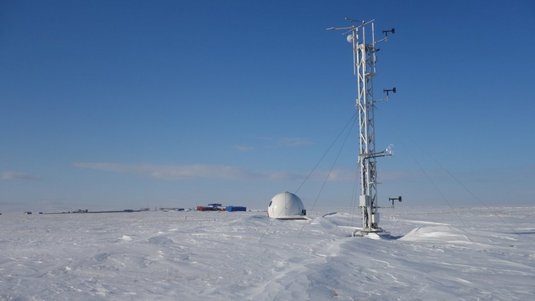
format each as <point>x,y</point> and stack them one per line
<point>476,254</point>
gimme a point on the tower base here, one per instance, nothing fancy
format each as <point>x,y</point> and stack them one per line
<point>366,231</point>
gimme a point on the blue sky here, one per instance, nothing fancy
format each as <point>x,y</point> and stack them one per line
<point>128,104</point>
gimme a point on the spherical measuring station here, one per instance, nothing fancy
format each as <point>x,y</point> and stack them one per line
<point>286,205</point>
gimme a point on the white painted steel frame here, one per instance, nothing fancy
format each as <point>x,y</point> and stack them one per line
<point>364,59</point>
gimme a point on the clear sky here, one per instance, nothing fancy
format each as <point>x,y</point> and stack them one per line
<point>129,104</point>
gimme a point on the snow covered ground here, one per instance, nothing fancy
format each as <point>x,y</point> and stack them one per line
<point>476,254</point>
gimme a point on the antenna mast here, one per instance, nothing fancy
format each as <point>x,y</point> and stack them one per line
<point>362,38</point>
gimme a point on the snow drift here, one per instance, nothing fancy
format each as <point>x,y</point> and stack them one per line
<point>247,256</point>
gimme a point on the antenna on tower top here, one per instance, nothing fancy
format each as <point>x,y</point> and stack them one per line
<point>362,38</point>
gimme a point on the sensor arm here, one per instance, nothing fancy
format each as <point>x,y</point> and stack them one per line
<point>387,152</point>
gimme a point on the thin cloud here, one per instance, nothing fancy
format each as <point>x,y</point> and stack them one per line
<point>283,175</point>
<point>179,172</point>
<point>294,141</point>
<point>244,148</point>
<point>221,172</point>
<point>13,175</point>
<point>342,175</point>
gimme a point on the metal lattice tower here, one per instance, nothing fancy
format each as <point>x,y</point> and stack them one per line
<point>362,38</point>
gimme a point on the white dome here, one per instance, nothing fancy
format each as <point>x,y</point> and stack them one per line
<point>286,205</point>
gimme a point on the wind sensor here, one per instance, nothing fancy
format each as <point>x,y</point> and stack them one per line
<point>391,30</point>
<point>388,91</point>
<point>362,38</point>
<point>395,199</point>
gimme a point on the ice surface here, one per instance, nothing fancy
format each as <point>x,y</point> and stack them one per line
<point>486,254</point>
